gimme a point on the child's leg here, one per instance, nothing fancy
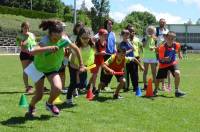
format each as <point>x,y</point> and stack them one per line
<point>134,75</point>
<point>122,82</point>
<point>25,63</point>
<point>169,80</point>
<point>146,66</point>
<point>153,71</point>
<point>56,87</point>
<point>73,82</point>
<point>39,88</point>
<point>62,76</point>
<point>127,72</point>
<point>177,78</point>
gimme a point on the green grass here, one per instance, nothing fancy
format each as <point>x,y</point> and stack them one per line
<point>13,22</point>
<point>160,114</point>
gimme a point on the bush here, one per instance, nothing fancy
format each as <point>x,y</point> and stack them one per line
<point>26,13</point>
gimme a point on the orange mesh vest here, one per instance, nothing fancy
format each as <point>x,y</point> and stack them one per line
<point>117,67</point>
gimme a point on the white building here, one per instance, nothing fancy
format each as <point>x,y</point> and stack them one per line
<point>187,34</point>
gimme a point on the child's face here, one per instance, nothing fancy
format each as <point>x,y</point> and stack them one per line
<point>103,37</point>
<point>55,37</point>
<point>25,29</point>
<point>126,36</point>
<point>121,55</point>
<point>85,39</point>
<point>150,31</point>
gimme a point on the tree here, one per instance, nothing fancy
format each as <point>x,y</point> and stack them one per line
<point>140,20</point>
<point>99,13</point>
<point>198,22</point>
<point>83,7</point>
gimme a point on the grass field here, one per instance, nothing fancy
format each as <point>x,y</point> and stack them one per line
<point>132,114</point>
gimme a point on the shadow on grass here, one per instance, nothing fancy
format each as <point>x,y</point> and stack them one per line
<point>102,98</point>
<point>13,92</point>
<point>64,105</point>
<point>17,121</point>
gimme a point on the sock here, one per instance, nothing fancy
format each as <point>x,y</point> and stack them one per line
<point>176,90</point>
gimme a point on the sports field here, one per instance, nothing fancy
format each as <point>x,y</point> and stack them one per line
<point>164,113</point>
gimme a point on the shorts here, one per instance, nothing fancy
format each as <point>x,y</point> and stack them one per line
<point>150,60</point>
<point>106,78</point>
<point>162,73</point>
<point>25,56</point>
<point>95,69</point>
<point>53,72</point>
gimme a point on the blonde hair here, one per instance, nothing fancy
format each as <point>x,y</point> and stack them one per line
<point>150,28</point>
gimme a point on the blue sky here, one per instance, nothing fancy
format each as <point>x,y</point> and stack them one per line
<point>174,11</point>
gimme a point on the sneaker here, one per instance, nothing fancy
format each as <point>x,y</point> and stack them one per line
<point>115,96</point>
<point>155,92</point>
<point>69,103</point>
<point>64,90</point>
<point>31,112</point>
<point>96,93</point>
<point>29,90</point>
<point>53,109</point>
<point>179,94</point>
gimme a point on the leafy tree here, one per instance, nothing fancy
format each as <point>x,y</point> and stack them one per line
<point>140,20</point>
<point>99,13</point>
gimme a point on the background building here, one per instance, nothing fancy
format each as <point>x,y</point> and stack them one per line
<point>188,34</point>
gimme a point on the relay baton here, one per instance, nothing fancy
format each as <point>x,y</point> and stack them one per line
<point>60,45</point>
<point>90,67</point>
<point>118,73</point>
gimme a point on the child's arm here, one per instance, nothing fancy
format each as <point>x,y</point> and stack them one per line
<point>39,49</point>
<point>139,64</point>
<point>76,49</point>
<point>109,70</point>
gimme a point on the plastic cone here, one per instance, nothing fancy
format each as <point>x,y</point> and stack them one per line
<point>90,95</point>
<point>23,101</point>
<point>149,91</point>
<point>138,92</point>
<point>57,101</point>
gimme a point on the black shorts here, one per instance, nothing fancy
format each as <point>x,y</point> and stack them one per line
<point>53,72</point>
<point>106,78</point>
<point>25,56</point>
<point>162,73</point>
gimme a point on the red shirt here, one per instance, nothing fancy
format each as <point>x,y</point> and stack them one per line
<point>99,59</point>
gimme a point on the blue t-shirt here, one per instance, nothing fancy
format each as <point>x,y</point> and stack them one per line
<point>127,46</point>
<point>111,43</point>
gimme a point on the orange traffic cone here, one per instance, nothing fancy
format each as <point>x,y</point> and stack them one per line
<point>90,95</point>
<point>149,91</point>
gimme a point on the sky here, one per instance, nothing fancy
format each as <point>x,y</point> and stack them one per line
<point>174,11</point>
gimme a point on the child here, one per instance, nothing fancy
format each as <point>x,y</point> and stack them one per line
<point>50,64</point>
<point>26,41</point>
<point>99,56</point>
<point>115,63</point>
<point>167,62</point>
<point>78,79</point>
<point>130,67</point>
<point>149,56</point>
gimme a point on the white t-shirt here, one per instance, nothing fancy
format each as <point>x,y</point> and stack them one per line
<point>160,38</point>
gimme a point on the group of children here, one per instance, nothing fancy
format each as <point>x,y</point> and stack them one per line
<point>50,58</point>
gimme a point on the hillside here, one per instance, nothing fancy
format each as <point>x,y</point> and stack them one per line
<point>12,23</point>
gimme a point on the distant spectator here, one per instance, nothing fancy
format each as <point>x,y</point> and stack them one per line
<point>26,41</point>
